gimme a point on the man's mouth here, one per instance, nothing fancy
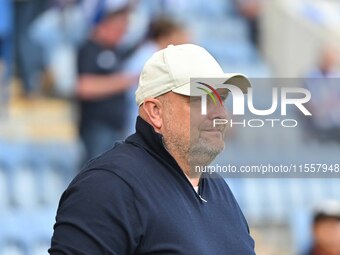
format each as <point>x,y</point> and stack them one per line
<point>213,130</point>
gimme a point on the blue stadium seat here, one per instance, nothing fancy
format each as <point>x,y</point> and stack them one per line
<point>25,189</point>
<point>57,164</point>
<point>35,176</point>
<point>12,248</point>
<point>4,194</point>
<point>29,231</point>
<point>300,221</point>
<point>12,155</point>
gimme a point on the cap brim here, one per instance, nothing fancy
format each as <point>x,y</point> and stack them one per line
<point>235,79</point>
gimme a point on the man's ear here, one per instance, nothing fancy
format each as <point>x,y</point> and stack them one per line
<point>153,108</point>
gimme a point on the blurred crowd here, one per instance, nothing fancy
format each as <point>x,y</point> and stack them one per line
<point>323,84</point>
<point>325,230</point>
<point>91,52</point>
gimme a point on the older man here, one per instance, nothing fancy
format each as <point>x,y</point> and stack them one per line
<point>142,196</point>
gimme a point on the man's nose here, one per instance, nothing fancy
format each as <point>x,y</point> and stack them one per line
<point>217,111</point>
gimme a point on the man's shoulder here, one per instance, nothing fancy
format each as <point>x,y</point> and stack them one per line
<point>125,160</point>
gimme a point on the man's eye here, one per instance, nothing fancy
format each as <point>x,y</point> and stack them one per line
<point>224,97</point>
<point>195,99</point>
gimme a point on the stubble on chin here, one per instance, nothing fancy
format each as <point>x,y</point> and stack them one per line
<point>203,152</point>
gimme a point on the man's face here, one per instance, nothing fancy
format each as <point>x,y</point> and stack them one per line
<point>327,236</point>
<point>114,27</point>
<point>190,132</point>
<point>179,36</point>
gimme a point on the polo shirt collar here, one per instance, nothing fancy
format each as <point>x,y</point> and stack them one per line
<point>149,139</point>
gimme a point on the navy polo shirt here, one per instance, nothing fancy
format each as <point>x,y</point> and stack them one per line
<point>135,199</point>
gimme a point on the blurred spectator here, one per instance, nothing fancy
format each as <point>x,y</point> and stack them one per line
<point>327,67</point>
<point>102,86</point>
<point>251,9</point>
<point>325,103</point>
<point>28,54</point>
<point>162,32</point>
<point>5,51</point>
<point>59,31</point>
<point>326,230</point>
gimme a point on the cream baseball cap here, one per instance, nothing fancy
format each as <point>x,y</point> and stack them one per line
<point>170,69</point>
